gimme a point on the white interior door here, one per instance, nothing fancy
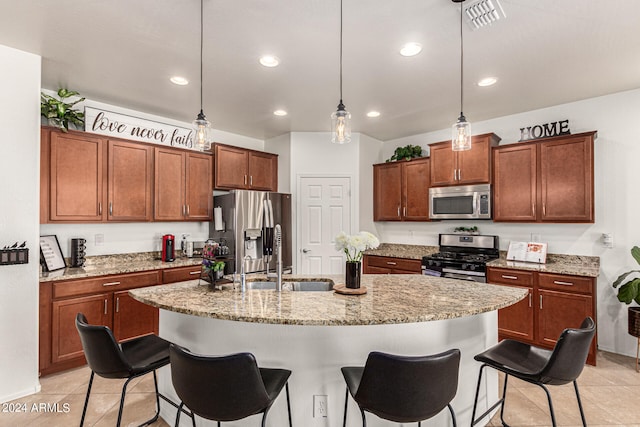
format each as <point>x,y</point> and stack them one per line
<point>325,210</point>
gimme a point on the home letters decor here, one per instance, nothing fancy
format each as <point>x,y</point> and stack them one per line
<point>123,126</point>
<point>545,130</point>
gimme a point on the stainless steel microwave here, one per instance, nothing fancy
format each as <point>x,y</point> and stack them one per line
<point>461,202</point>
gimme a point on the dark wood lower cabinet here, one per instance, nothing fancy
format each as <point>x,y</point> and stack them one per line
<point>373,264</point>
<point>132,318</point>
<point>555,302</point>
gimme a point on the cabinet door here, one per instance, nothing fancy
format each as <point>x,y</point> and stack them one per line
<point>514,183</point>
<point>181,274</point>
<point>443,164</point>
<point>132,318</point>
<point>65,341</point>
<point>76,178</point>
<point>231,169</point>
<point>415,182</point>
<point>263,171</point>
<point>371,269</point>
<point>387,192</point>
<point>558,311</point>
<point>199,186</point>
<point>516,321</point>
<point>474,166</point>
<point>169,185</point>
<point>566,178</point>
<point>129,181</point>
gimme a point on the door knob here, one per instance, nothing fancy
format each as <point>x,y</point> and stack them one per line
<point>304,251</point>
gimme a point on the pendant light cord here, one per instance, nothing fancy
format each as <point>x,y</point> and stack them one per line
<point>340,51</point>
<point>461,61</point>
<point>201,44</point>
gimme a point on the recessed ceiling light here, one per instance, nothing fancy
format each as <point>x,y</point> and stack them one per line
<point>280,113</point>
<point>269,61</point>
<point>180,81</point>
<point>373,114</point>
<point>488,81</point>
<point>411,49</point>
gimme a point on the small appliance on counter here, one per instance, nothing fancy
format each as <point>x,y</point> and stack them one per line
<point>168,247</point>
<point>78,247</point>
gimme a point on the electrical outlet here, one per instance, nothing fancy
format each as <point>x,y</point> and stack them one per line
<point>99,239</point>
<point>320,406</point>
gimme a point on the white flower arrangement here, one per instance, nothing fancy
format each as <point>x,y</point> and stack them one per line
<point>354,245</point>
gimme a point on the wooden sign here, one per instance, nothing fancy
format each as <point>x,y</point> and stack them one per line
<point>545,130</point>
<point>123,126</point>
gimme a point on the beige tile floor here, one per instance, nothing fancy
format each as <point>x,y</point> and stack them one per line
<point>610,395</point>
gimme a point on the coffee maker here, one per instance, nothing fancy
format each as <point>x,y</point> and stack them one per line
<point>168,247</point>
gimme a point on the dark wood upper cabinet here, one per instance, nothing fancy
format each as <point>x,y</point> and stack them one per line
<point>545,181</point>
<point>76,177</point>
<point>401,190</point>
<point>199,186</point>
<point>473,166</point>
<point>130,181</point>
<point>239,168</point>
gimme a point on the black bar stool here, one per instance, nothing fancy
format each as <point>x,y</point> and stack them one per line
<point>129,360</point>
<point>539,366</point>
<point>403,389</point>
<point>226,388</point>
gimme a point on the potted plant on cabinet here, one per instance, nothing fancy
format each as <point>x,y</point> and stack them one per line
<point>59,113</point>
<point>628,292</point>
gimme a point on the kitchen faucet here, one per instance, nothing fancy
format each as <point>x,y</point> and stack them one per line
<point>278,245</point>
<point>243,276</point>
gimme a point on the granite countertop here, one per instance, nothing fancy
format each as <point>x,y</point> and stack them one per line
<point>397,250</point>
<point>576,265</point>
<point>390,299</point>
<point>104,265</point>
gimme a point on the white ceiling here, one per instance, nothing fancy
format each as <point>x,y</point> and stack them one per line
<point>122,52</point>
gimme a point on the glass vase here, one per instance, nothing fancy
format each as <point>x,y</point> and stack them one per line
<point>352,275</point>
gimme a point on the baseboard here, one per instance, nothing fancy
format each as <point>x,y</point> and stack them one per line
<point>28,392</point>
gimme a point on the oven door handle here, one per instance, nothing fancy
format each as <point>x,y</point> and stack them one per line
<point>468,277</point>
<point>463,272</point>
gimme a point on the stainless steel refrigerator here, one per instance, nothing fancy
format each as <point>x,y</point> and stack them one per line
<point>244,221</point>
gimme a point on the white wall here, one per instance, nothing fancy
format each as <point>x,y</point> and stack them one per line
<point>617,152</point>
<point>19,169</point>
<point>369,149</point>
<point>281,145</point>
<point>137,237</point>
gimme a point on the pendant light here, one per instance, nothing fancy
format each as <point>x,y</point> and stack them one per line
<point>202,126</point>
<point>461,135</point>
<point>341,118</point>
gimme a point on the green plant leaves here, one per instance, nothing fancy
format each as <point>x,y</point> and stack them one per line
<point>635,253</point>
<point>630,290</point>
<point>60,113</point>
<point>407,153</point>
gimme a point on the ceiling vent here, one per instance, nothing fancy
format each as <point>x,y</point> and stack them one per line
<point>484,12</point>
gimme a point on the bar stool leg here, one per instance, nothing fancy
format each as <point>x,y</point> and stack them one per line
<point>346,402</point>
<point>86,400</point>
<point>584,421</point>
<point>288,404</point>
<point>637,351</point>
<point>553,417</point>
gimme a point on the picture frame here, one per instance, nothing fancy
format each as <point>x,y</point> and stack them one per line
<point>51,253</point>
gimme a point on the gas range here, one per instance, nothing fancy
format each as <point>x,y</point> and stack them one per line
<point>462,256</point>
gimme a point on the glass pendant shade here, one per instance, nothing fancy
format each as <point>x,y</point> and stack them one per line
<point>341,126</point>
<point>203,137</point>
<point>461,135</point>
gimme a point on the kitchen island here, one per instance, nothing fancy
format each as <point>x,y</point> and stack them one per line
<point>315,333</point>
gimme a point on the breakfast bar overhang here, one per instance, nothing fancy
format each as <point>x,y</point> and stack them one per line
<point>315,333</point>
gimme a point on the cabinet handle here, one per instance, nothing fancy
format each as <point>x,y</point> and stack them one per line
<point>398,211</point>
<point>391,263</point>
<point>111,284</point>
<point>544,210</point>
<point>251,180</point>
<point>533,210</point>
<point>99,208</point>
<point>110,208</point>
<point>194,272</point>
<point>117,304</point>
<point>184,210</point>
<point>404,211</point>
<point>540,302</point>
<point>459,174</point>
<point>105,306</point>
<point>188,210</point>
<point>455,171</point>
<point>510,277</point>
<point>558,282</point>
<point>245,180</point>
<point>530,300</point>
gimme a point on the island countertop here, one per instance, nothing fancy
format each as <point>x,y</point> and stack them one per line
<point>390,299</point>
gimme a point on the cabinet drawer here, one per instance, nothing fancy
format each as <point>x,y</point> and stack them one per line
<point>181,274</point>
<point>105,283</point>
<point>509,277</point>
<point>566,283</point>
<point>410,265</point>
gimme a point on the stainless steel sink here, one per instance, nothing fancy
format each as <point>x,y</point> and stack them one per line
<point>315,286</point>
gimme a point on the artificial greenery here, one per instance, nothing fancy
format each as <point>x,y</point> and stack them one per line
<point>407,153</point>
<point>630,290</point>
<point>218,266</point>
<point>60,113</point>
